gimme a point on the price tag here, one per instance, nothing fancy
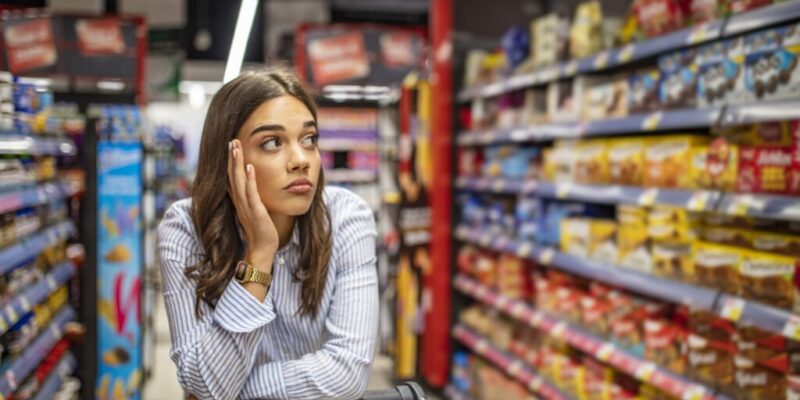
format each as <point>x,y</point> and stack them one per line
<point>645,371</point>
<point>626,54</point>
<point>558,330</point>
<point>25,304</point>
<point>11,379</point>
<point>499,185</point>
<point>481,346</point>
<point>546,256</point>
<point>519,135</point>
<point>563,190</point>
<point>694,392</point>
<point>536,319</point>
<point>792,328</point>
<point>51,282</point>
<point>651,121</point>
<point>699,34</point>
<point>698,201</point>
<point>535,384</point>
<point>517,310</point>
<point>524,250</point>
<point>480,291</point>
<point>482,184</point>
<point>648,197</point>
<point>571,68</point>
<point>601,61</point>
<point>604,352</point>
<point>732,308</point>
<point>740,205</point>
<point>515,368</point>
<point>501,302</point>
<point>11,314</point>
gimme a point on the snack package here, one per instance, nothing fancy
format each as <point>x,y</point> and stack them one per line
<point>770,278</point>
<point>668,161</point>
<point>586,32</point>
<point>761,364</point>
<point>632,215</point>
<point>603,245</point>
<point>591,162</point>
<point>776,133</point>
<point>605,98</point>
<point>718,165</point>
<point>663,342</point>
<point>710,360</point>
<point>643,87</point>
<point>678,87</point>
<point>657,17</point>
<point>776,243</point>
<point>718,266</point>
<point>701,11</point>
<point>674,260</point>
<point>626,161</point>
<point>559,161</point>
<point>718,71</point>
<point>564,100</point>
<point>765,169</point>
<point>550,35</point>
<point>633,247</point>
<point>771,63</point>
<point>728,236</point>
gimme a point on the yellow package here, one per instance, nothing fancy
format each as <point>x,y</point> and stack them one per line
<point>575,234</point>
<point>633,248</point>
<point>602,244</point>
<point>717,265</point>
<point>769,278</point>
<point>661,215</point>
<point>674,260</point>
<point>631,215</point>
<point>777,133</point>
<point>626,161</point>
<point>728,236</point>
<point>717,165</point>
<point>559,162</point>
<point>668,161</point>
<point>671,233</point>
<point>591,162</point>
<point>776,243</point>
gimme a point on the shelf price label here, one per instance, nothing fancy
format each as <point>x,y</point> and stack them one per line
<point>519,135</point>
<point>485,239</point>
<point>499,185</point>
<point>11,314</point>
<point>698,201</point>
<point>700,33</point>
<point>571,68</point>
<point>535,384</point>
<point>529,187</point>
<point>481,346</point>
<point>51,282</point>
<point>501,302</point>
<point>524,250</point>
<point>601,61</point>
<point>535,319</point>
<point>558,330</point>
<point>693,392</point>
<point>3,325</point>
<point>644,372</point>
<point>25,304</point>
<point>515,368</point>
<point>546,256</point>
<point>517,310</point>
<point>648,197</point>
<point>604,352</point>
<point>563,190</point>
<point>739,205</point>
<point>652,121</point>
<point>732,308</point>
<point>626,54</point>
<point>792,327</point>
<point>11,379</point>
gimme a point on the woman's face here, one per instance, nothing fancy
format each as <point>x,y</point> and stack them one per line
<point>280,140</point>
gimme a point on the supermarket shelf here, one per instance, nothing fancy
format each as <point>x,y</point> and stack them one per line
<point>341,144</point>
<point>350,176</point>
<point>54,381</point>
<point>762,111</point>
<point>36,145</point>
<point>34,294</point>
<point>509,364</point>
<point>713,30</point>
<point>650,285</point>
<point>761,205</point>
<point>694,200</point>
<point>601,349</point>
<point>30,246</point>
<point>35,195</point>
<point>22,366</point>
<point>656,121</point>
<point>451,393</point>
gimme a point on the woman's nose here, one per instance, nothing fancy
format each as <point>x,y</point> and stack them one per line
<point>298,159</point>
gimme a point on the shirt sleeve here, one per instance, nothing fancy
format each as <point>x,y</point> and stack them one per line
<point>214,355</point>
<point>341,368</point>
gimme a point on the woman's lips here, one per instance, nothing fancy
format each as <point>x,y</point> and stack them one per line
<point>299,186</point>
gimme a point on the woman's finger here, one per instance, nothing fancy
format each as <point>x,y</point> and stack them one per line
<point>251,189</point>
<point>239,179</point>
<point>230,171</point>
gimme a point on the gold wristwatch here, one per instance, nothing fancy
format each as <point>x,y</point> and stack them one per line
<point>247,273</point>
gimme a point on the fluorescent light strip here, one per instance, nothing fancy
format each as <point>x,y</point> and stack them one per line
<point>244,23</point>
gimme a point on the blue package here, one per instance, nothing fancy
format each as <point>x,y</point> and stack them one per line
<point>768,64</point>
<point>519,163</point>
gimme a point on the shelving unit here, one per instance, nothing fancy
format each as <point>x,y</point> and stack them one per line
<point>509,364</point>
<point>37,146</point>
<point>54,381</point>
<point>627,55</point>
<point>22,366</point>
<point>34,294</point>
<point>588,343</point>
<point>29,247</point>
<point>42,193</point>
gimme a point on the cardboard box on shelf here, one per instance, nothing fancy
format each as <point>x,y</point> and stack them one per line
<point>717,166</point>
<point>605,98</point>
<point>586,237</point>
<point>674,260</point>
<point>720,72</point>
<point>634,248</point>
<point>591,162</point>
<point>726,235</point>
<point>550,42</point>
<point>678,86</point>
<point>776,243</point>
<point>770,278</point>
<point>643,88</point>
<point>564,98</point>
<point>626,161</point>
<point>771,63</point>
<point>765,169</point>
<point>718,266</point>
<point>668,161</point>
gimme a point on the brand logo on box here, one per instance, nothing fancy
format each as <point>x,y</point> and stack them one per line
<point>338,58</point>
<point>30,45</point>
<point>774,157</point>
<point>100,36</point>
<point>397,49</point>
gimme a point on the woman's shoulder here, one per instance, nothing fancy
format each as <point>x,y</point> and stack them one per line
<point>177,222</point>
<point>347,209</point>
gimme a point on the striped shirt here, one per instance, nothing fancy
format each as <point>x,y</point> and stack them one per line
<point>247,349</point>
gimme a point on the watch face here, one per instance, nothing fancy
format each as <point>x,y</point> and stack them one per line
<point>241,269</point>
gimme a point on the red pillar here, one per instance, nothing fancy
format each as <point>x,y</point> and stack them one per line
<point>435,349</point>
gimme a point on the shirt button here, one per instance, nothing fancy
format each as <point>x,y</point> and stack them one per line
<point>281,261</point>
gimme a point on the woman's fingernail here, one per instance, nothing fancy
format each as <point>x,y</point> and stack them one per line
<point>249,168</point>
<point>234,153</point>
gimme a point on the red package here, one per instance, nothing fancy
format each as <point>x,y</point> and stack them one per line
<point>739,6</point>
<point>766,169</point>
<point>657,17</point>
<point>704,11</point>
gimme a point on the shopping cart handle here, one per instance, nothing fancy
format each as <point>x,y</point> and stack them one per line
<point>406,391</point>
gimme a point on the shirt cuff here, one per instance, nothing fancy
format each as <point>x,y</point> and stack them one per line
<point>238,311</point>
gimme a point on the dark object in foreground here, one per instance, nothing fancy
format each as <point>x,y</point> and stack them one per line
<point>406,391</point>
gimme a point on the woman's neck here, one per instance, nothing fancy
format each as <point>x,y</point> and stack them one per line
<point>284,224</point>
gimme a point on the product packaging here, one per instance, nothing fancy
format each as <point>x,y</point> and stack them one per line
<point>658,17</point>
<point>771,63</point>
<point>586,32</point>
<point>643,89</point>
<point>626,161</point>
<point>719,69</point>
<point>591,162</point>
<point>605,98</point>
<point>718,266</point>
<point>770,278</point>
<point>678,86</point>
<point>669,161</point>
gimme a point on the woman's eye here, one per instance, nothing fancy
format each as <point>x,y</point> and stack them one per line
<point>271,144</point>
<point>310,140</point>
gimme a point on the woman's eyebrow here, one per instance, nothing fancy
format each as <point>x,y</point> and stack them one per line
<point>310,124</point>
<point>271,127</point>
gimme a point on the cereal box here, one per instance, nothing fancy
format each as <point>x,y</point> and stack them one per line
<point>765,169</point>
<point>626,161</point>
<point>634,249</point>
<point>727,236</point>
<point>769,278</point>
<point>559,162</point>
<point>673,260</point>
<point>583,237</point>
<point>605,98</point>
<point>717,166</point>
<point>717,73</point>
<point>643,91</point>
<point>717,265</point>
<point>678,87</point>
<point>603,245</point>
<point>788,245</point>
<point>591,164</point>
<point>771,63</point>
<point>668,161</point>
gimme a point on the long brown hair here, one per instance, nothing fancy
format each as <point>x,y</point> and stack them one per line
<point>213,213</point>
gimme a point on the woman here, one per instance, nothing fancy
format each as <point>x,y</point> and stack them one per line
<point>270,282</point>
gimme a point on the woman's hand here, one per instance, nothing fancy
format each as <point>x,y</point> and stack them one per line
<point>259,230</point>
